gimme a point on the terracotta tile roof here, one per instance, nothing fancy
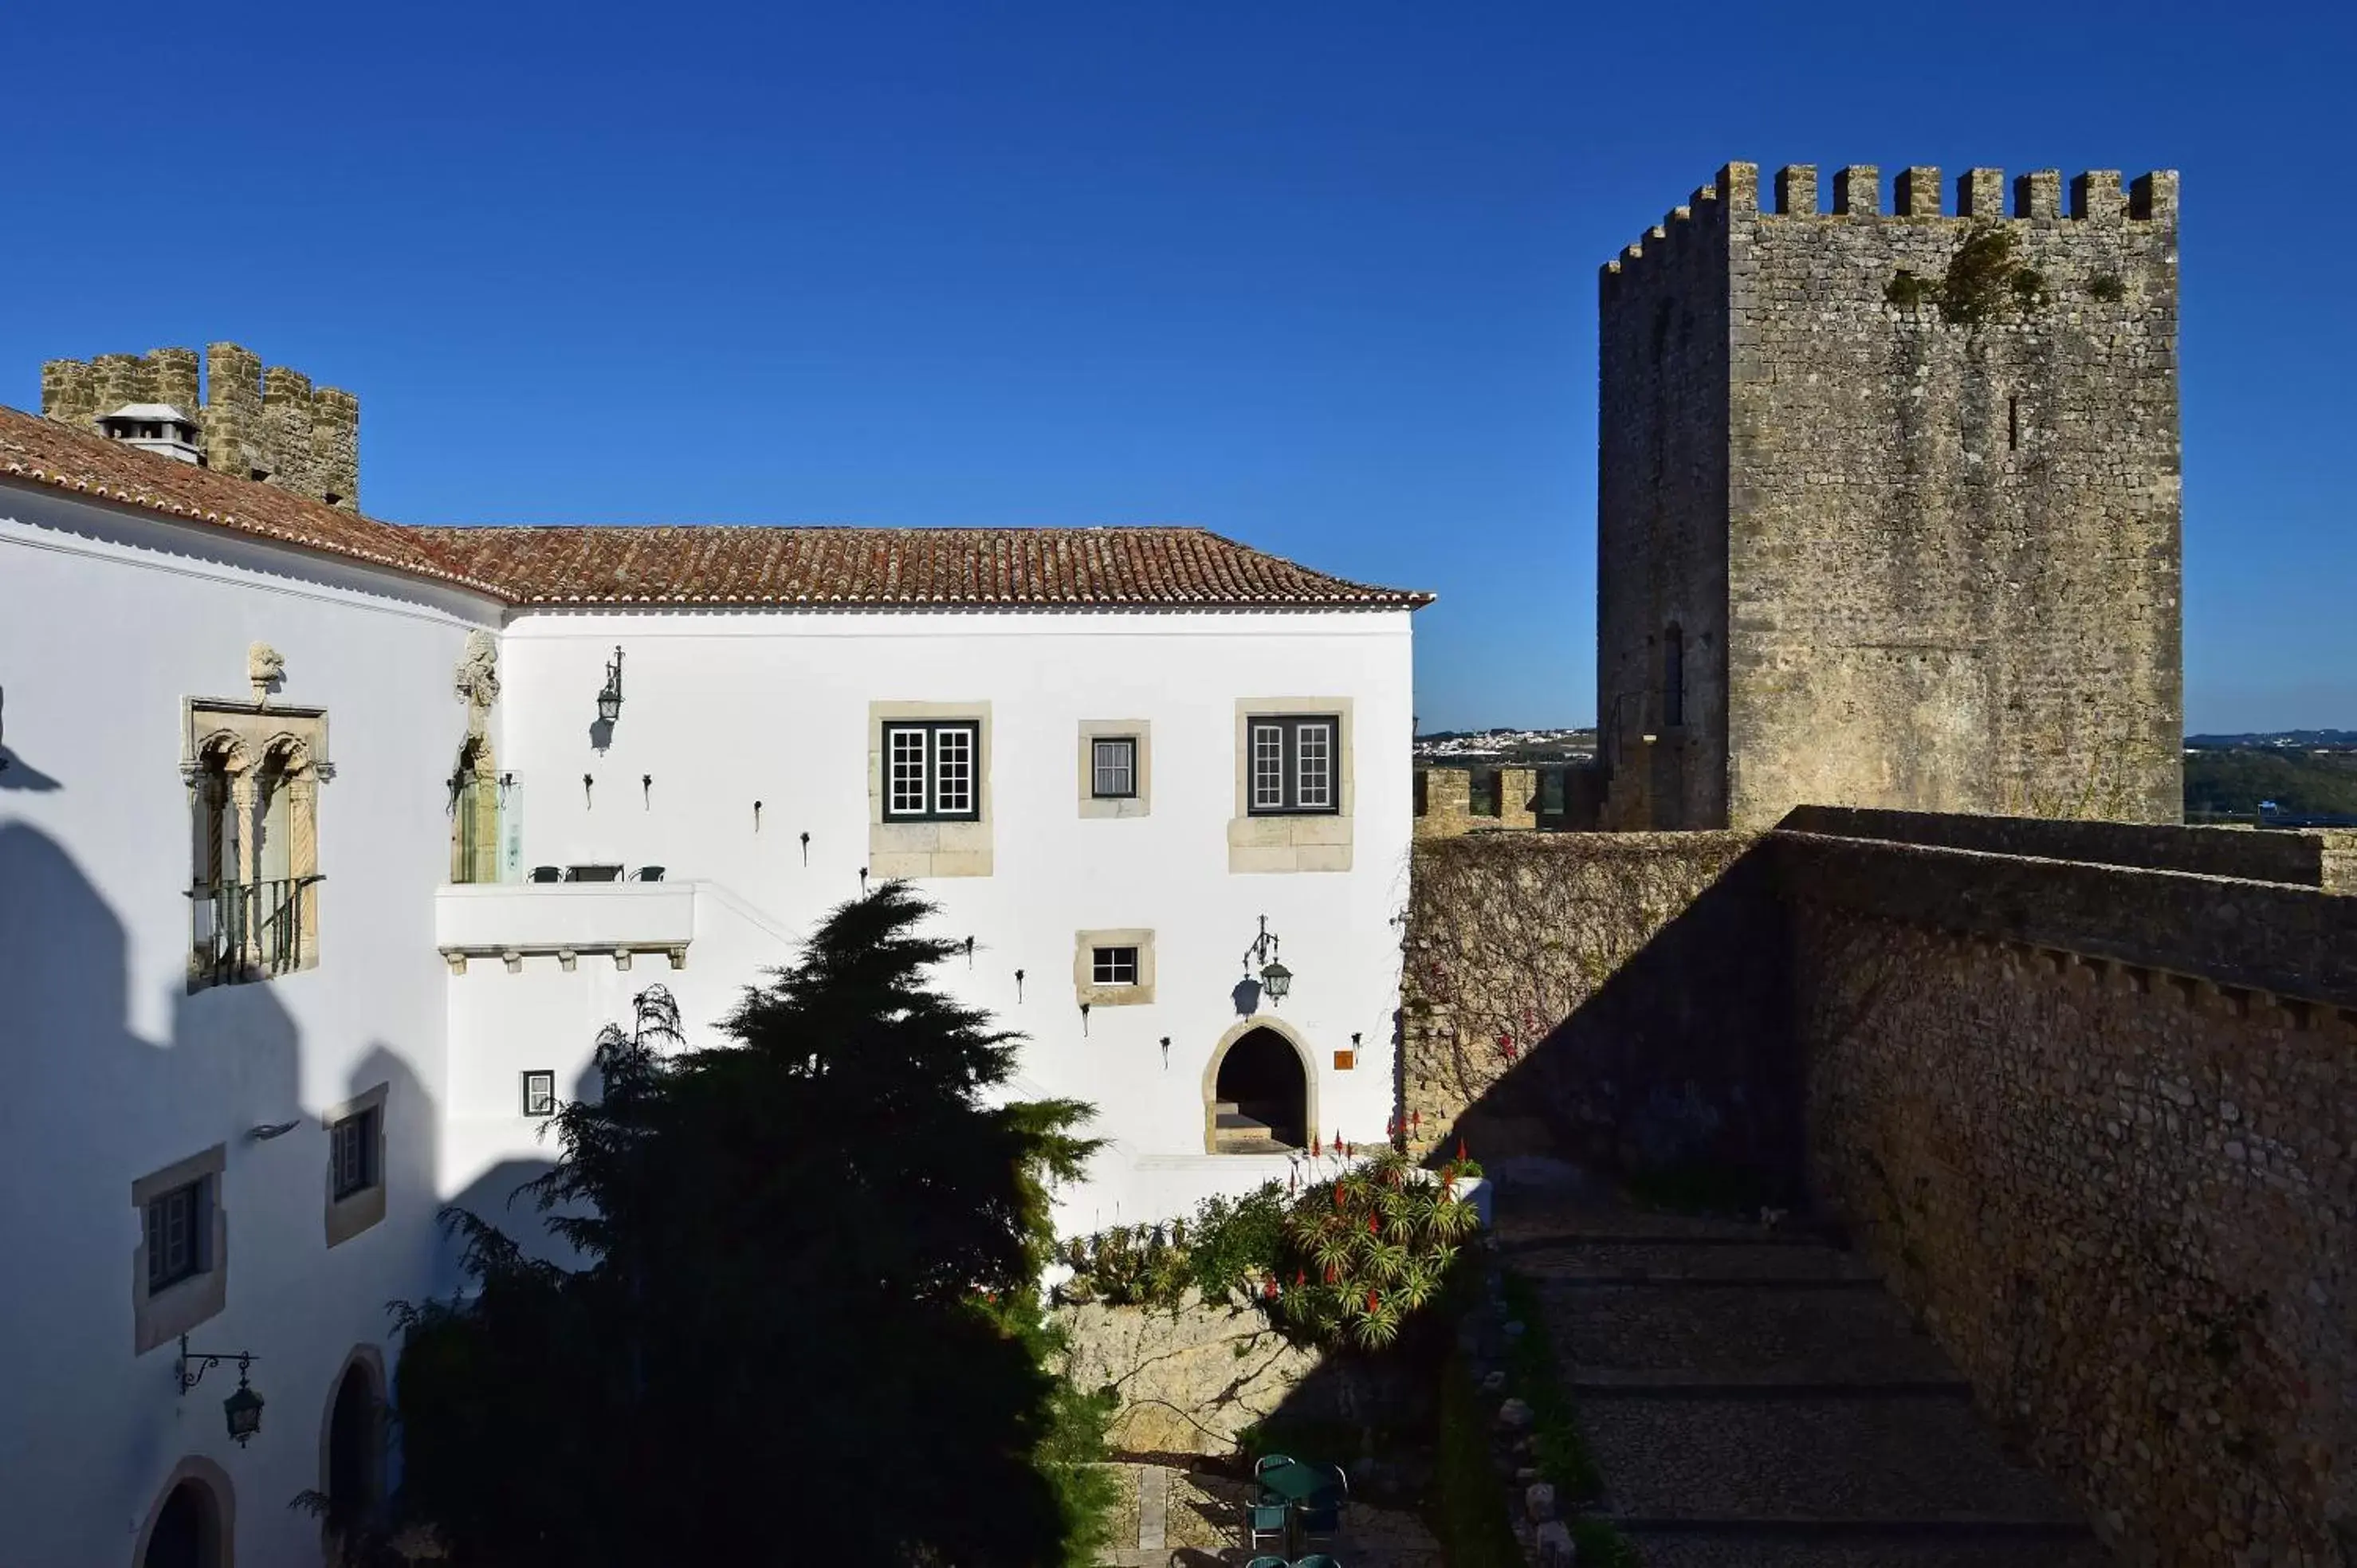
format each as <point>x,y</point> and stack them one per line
<point>715,564</point>
<point>706,565</point>
<point>44,452</point>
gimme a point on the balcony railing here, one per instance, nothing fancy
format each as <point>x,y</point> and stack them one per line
<point>244,930</point>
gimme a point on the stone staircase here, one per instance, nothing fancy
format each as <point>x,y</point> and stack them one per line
<point>1755,1398</point>
<point>1234,1132</point>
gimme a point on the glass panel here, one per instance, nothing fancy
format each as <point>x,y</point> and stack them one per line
<point>1313,774</point>
<point>1268,766</point>
<point>1116,768</point>
<point>172,1254</point>
<point>1114,966</point>
<point>906,748</point>
<point>953,770</point>
<point>539,1093</point>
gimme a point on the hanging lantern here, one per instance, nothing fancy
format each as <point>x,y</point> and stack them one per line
<point>1276,980</point>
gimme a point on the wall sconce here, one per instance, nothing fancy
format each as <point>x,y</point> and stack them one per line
<point>647,790</point>
<point>1274,977</point>
<point>1165,1053</point>
<point>610,697</point>
<point>587,782</point>
<point>756,816</point>
<point>242,1408</point>
<point>806,849</point>
<point>1085,1020</point>
<point>863,882</point>
<point>1018,985</point>
<point>969,953</point>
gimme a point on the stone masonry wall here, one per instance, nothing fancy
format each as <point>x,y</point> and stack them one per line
<point>256,423</point>
<point>1604,996</point>
<point>1945,497</point>
<point>2125,1199</point>
<point>2095,1119</point>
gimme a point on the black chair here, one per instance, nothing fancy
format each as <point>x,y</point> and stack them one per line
<point>547,873</point>
<point>593,873</point>
<point>650,874</point>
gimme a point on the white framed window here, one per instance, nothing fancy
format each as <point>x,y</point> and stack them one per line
<point>1112,767</point>
<point>1294,765</point>
<point>540,1092</point>
<point>179,1227</point>
<point>351,1154</point>
<point>931,770</point>
<point>1113,966</point>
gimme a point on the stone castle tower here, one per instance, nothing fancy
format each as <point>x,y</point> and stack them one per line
<point>258,424</point>
<point>1887,504</point>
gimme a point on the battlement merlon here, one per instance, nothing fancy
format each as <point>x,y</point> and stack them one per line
<point>1733,196</point>
<point>2096,196</point>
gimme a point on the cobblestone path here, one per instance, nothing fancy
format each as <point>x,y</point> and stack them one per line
<point>1754,1400</point>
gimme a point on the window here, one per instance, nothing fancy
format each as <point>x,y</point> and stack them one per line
<point>931,770</point>
<point>1112,767</point>
<point>177,1223</point>
<point>1293,765</point>
<point>253,778</point>
<point>1113,966</point>
<point>540,1093</point>
<point>352,1144</point>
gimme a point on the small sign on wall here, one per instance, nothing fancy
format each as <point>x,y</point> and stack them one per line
<point>1344,1060</point>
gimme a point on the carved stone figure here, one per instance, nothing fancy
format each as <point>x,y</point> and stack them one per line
<point>477,679</point>
<point>265,669</point>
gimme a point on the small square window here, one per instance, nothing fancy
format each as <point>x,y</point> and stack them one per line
<point>352,1144</point>
<point>1112,772</point>
<point>1113,966</point>
<point>177,1222</point>
<point>540,1093</point>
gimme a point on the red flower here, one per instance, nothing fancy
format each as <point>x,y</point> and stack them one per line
<point>1374,1225</point>
<point>1373,1299</point>
<point>1269,1290</point>
<point>1460,1150</point>
<point>1300,1277</point>
<point>1315,1150</point>
<point>1346,1151</point>
<point>1329,1274</point>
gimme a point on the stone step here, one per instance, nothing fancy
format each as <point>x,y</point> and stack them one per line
<point>1812,1459</point>
<point>1236,1121</point>
<point>1721,1261</point>
<point>1741,1547</point>
<point>1825,1335</point>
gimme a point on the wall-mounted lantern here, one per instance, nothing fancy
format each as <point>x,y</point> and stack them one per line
<point>610,696</point>
<point>242,1408</point>
<point>1274,977</point>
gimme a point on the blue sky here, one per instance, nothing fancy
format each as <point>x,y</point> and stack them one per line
<point>1319,276</point>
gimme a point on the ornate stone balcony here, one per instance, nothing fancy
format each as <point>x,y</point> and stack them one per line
<point>565,920</point>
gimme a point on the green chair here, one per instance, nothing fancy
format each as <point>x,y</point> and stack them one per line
<point>1321,1519</point>
<point>1315,1559</point>
<point>1265,1521</point>
<point>1262,1467</point>
<point>1336,1481</point>
<point>1268,1562</point>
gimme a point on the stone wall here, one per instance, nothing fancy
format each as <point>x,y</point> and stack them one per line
<point>2095,1119</point>
<point>1190,1381</point>
<point>1917,475</point>
<point>1616,997</point>
<point>256,423</point>
<point>2123,1196</point>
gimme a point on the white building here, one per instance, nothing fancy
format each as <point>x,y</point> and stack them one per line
<point>327,845</point>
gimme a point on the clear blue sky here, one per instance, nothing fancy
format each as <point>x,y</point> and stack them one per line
<point>1319,276</point>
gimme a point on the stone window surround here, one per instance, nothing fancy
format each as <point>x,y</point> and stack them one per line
<point>242,735</point>
<point>1242,1027</point>
<point>163,1317</point>
<point>923,849</point>
<point>1293,842</point>
<point>1117,808</point>
<point>347,1218</point>
<point>1084,985</point>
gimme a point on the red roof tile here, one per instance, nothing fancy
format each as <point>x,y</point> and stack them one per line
<point>44,452</point>
<point>707,564</point>
<point>716,565</point>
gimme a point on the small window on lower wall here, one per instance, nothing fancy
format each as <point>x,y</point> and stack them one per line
<point>179,1272</point>
<point>540,1093</point>
<point>1114,969</point>
<point>355,1165</point>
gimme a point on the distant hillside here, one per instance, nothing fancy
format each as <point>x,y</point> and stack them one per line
<point>2299,782</point>
<point>2282,737</point>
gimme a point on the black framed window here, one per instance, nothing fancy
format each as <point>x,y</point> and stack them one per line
<point>1112,767</point>
<point>1293,764</point>
<point>540,1092</point>
<point>933,770</point>
<point>1113,966</point>
<point>351,1153</point>
<point>177,1225</point>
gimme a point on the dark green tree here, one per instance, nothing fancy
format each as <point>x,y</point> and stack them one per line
<point>805,1325</point>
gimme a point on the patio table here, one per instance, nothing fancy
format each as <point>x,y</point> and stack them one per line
<point>1296,1484</point>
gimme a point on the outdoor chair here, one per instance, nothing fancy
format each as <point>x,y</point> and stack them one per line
<point>650,874</point>
<point>547,873</point>
<point>1338,1482</point>
<point>1315,1559</point>
<point>1262,1467</point>
<point>1321,1520</point>
<point>1264,1521</point>
<point>1266,1561</point>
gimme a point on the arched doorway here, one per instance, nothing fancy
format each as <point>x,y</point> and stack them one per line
<point>355,1451</point>
<point>1260,1101</point>
<point>189,1527</point>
